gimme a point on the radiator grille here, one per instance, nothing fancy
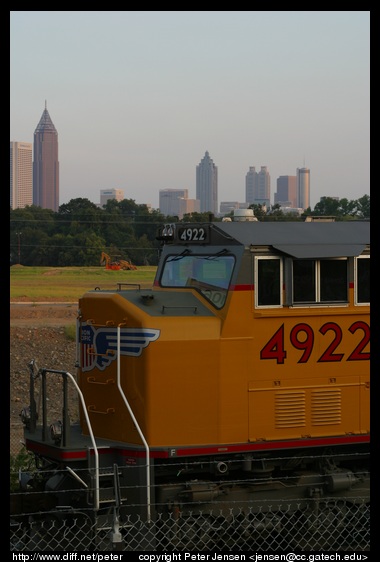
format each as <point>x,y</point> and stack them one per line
<point>290,409</point>
<point>326,407</point>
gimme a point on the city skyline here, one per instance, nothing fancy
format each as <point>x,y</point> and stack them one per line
<point>137,111</point>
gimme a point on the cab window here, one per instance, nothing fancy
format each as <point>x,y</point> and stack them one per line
<point>320,281</point>
<point>362,280</point>
<point>268,281</point>
<point>209,274</point>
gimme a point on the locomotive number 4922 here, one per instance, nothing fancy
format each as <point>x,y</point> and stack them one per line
<point>302,338</point>
<point>195,234</point>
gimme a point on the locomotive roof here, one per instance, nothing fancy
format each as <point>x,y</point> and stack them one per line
<point>305,239</point>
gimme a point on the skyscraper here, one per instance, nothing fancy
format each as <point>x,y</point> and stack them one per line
<point>286,194</point>
<point>21,175</point>
<point>257,186</point>
<point>106,194</point>
<point>303,188</point>
<point>251,185</point>
<point>207,185</point>
<point>45,164</point>
<point>169,200</point>
<point>263,187</point>
<point>175,202</point>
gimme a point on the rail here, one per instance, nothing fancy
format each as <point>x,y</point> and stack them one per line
<point>65,434</point>
<point>165,307</point>
<point>148,502</point>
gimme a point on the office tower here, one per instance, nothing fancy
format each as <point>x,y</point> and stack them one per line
<point>257,186</point>
<point>188,206</point>
<point>21,175</point>
<point>169,201</point>
<point>175,202</point>
<point>263,187</point>
<point>251,185</point>
<point>303,188</point>
<point>207,185</point>
<point>227,206</point>
<point>286,194</point>
<point>105,194</point>
<point>45,164</point>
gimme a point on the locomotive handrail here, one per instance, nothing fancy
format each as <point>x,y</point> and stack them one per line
<point>137,426</point>
<point>119,285</point>
<point>94,381</point>
<point>66,373</point>
<point>93,410</point>
<point>164,307</point>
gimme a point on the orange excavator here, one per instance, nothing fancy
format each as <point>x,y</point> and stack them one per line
<point>125,264</point>
<point>115,264</point>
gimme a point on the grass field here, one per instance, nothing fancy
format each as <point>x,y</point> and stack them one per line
<point>67,284</point>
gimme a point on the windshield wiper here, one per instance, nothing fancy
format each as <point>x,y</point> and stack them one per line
<point>221,253</point>
<point>180,256</point>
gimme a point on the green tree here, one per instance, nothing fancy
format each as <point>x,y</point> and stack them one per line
<point>80,231</point>
<point>28,228</point>
<point>260,211</point>
<point>347,208</point>
<point>277,214</point>
<point>364,207</point>
<point>327,206</point>
<point>199,217</point>
<point>80,215</point>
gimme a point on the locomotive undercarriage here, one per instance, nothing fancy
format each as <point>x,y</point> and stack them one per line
<point>206,503</point>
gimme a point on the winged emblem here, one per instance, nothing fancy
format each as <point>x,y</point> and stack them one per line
<point>99,345</point>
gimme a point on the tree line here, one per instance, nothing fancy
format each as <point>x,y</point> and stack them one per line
<point>80,231</point>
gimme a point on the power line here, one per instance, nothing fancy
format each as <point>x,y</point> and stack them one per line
<point>85,248</point>
<point>100,222</point>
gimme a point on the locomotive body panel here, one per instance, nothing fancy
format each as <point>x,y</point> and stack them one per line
<point>167,401</point>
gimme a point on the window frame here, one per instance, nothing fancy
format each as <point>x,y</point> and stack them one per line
<point>318,283</point>
<point>257,260</point>
<point>215,290</point>
<point>356,280</point>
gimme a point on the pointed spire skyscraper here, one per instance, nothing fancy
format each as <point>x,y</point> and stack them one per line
<point>45,164</point>
<point>207,185</point>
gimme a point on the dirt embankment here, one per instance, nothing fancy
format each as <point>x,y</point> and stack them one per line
<point>37,332</point>
<point>42,313</point>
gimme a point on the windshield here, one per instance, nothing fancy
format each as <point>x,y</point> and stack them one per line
<point>210,274</point>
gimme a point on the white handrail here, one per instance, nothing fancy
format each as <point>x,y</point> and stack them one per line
<point>92,439</point>
<point>138,428</point>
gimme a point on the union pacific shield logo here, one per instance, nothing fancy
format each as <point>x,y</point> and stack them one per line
<point>99,345</point>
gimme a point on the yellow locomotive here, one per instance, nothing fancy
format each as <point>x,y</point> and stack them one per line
<point>240,378</point>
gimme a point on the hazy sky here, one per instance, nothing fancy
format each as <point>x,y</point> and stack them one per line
<point>138,98</point>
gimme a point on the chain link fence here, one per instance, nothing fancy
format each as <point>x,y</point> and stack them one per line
<point>337,527</point>
<point>16,437</point>
<point>321,522</point>
<point>323,525</point>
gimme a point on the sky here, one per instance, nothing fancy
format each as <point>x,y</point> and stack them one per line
<point>138,97</point>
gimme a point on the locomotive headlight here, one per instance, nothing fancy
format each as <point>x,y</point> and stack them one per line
<point>166,232</point>
<point>56,431</point>
<point>25,415</point>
